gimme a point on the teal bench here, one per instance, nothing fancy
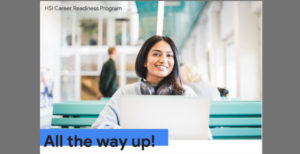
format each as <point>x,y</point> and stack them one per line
<point>77,114</point>
<point>228,119</point>
<point>236,119</point>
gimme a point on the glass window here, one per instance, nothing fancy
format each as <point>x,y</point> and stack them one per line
<point>89,32</point>
<point>104,38</point>
<point>122,28</point>
<point>67,78</point>
<point>131,76</point>
<point>89,62</point>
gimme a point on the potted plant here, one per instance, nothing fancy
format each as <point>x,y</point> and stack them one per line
<point>90,27</point>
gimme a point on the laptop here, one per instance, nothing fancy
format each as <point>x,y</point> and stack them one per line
<point>186,118</point>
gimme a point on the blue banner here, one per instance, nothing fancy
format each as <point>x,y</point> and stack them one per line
<point>103,137</point>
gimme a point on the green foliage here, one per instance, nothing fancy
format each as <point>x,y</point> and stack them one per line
<point>89,26</point>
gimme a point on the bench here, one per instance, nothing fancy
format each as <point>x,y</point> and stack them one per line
<point>77,114</point>
<point>236,119</point>
<point>228,119</point>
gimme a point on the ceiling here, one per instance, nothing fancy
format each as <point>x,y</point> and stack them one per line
<point>179,16</point>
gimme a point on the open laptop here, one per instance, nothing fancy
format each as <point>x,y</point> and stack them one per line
<point>185,117</point>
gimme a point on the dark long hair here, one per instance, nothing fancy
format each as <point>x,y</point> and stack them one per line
<point>173,79</point>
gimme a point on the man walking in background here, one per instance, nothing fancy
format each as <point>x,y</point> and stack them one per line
<point>108,78</point>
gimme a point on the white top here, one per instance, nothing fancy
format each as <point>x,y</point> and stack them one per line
<point>205,89</point>
<point>109,117</point>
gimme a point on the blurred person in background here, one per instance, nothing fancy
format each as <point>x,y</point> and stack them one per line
<point>192,77</point>
<point>108,83</point>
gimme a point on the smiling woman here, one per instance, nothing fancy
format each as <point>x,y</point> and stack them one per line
<point>160,62</point>
<point>157,64</point>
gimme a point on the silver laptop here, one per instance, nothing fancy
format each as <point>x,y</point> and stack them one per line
<point>185,117</point>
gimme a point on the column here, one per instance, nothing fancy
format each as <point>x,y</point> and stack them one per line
<point>122,68</point>
<point>134,28</point>
<point>111,37</point>
<point>77,59</point>
<point>246,36</point>
<point>213,37</point>
<point>100,30</point>
<point>124,33</point>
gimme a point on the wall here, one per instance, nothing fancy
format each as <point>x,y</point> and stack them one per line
<point>221,22</point>
<point>226,20</point>
<point>50,43</point>
<point>247,46</point>
<point>194,50</point>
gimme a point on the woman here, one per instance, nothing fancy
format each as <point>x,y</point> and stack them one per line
<point>157,64</point>
<point>192,78</point>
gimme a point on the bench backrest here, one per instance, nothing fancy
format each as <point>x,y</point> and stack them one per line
<point>228,119</point>
<point>236,120</point>
<point>77,113</point>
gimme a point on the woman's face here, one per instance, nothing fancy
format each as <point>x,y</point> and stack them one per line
<point>160,62</point>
